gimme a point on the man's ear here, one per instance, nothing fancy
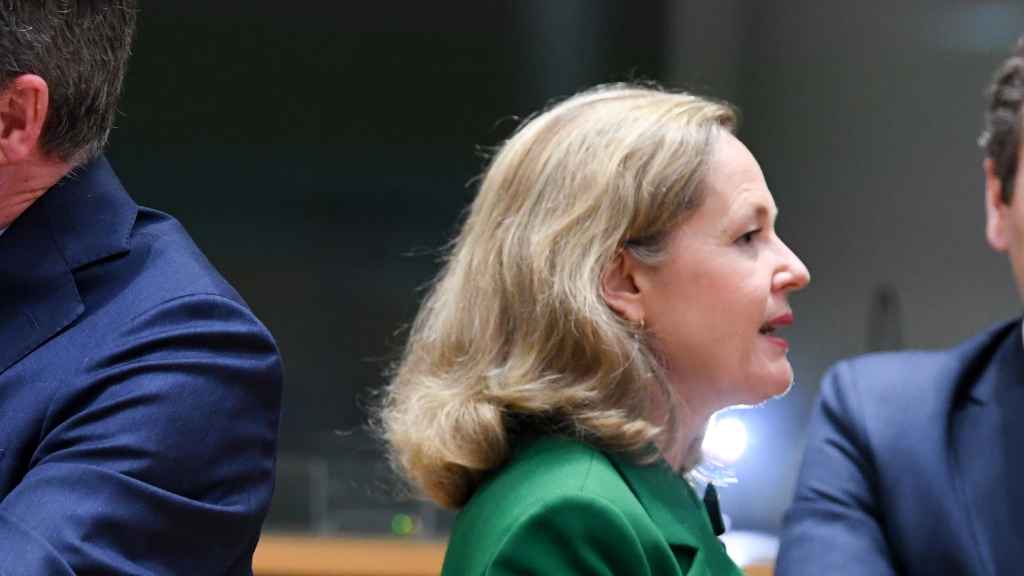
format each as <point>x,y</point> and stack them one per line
<point>23,108</point>
<point>619,289</point>
<point>996,211</point>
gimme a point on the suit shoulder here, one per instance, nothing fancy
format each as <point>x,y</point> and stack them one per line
<point>887,393</point>
<point>883,390</point>
<point>906,371</point>
<point>162,265</point>
<point>883,369</point>
<point>174,257</point>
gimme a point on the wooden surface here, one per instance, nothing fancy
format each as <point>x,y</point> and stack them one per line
<point>758,570</point>
<point>281,555</point>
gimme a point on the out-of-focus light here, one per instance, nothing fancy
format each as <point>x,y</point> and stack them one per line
<point>725,440</point>
<point>403,525</point>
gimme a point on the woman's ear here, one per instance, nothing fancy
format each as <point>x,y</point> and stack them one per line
<point>619,288</point>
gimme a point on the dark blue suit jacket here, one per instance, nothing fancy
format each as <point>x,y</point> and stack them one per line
<point>139,396</point>
<point>914,465</point>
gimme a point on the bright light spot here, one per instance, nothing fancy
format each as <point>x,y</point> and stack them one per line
<point>725,440</point>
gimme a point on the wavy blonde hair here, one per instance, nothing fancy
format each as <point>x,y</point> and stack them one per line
<point>515,329</point>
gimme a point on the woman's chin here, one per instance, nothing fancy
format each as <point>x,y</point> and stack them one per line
<point>783,388</point>
<point>768,388</point>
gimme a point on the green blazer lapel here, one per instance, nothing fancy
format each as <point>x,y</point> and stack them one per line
<point>668,499</point>
<point>679,515</point>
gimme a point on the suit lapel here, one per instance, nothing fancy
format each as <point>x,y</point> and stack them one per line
<point>87,216</point>
<point>986,455</point>
<point>38,296</point>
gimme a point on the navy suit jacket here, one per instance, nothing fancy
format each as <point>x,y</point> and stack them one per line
<point>914,465</point>
<point>139,396</point>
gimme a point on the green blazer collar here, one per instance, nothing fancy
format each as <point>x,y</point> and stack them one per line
<point>665,496</point>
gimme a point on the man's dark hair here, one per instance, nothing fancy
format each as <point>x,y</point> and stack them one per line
<point>1001,138</point>
<point>80,48</point>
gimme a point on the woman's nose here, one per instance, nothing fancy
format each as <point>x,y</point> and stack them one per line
<point>792,274</point>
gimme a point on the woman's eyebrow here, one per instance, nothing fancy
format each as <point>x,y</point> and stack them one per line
<point>760,211</point>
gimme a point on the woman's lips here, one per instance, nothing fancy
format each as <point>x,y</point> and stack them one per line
<point>781,320</point>
<point>777,341</point>
<point>768,329</point>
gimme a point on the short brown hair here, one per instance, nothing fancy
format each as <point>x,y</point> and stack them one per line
<point>1001,138</point>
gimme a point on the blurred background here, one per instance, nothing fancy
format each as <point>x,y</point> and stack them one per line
<point>322,153</point>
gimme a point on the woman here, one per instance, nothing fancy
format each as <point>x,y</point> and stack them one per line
<point>617,281</point>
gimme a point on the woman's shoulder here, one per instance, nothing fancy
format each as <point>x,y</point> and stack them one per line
<point>549,481</point>
<point>549,467</point>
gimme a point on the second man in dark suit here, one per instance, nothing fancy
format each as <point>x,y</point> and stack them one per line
<point>913,463</point>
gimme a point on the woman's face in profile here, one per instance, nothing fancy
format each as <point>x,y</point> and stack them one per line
<point>716,305</point>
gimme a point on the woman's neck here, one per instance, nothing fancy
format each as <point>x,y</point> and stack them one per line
<point>683,451</point>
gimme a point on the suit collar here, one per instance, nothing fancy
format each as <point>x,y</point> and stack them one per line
<point>85,217</point>
<point>997,358</point>
<point>90,214</point>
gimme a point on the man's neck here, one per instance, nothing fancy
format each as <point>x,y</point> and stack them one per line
<point>23,183</point>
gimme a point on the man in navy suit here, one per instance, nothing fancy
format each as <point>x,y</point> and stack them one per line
<point>139,396</point>
<point>915,460</point>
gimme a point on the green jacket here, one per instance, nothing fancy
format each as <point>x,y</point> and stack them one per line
<point>561,506</point>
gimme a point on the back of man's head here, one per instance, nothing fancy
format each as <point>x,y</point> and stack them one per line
<point>80,48</point>
<point>1001,138</point>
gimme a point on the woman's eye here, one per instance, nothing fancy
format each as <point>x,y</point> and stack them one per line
<point>748,237</point>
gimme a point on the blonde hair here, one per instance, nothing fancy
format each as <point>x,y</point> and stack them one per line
<point>515,328</point>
